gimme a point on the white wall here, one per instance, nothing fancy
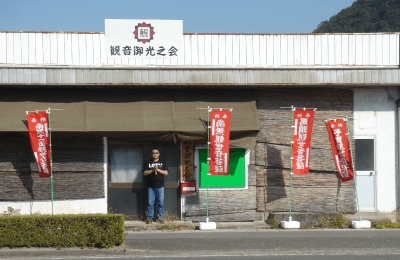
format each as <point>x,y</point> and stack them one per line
<point>374,115</point>
<point>88,206</point>
<point>259,50</point>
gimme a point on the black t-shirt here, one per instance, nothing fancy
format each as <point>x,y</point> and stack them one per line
<point>153,180</point>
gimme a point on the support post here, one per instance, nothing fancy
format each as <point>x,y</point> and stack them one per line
<point>208,225</point>
<point>352,162</point>
<point>208,153</point>
<point>291,224</point>
<point>291,163</point>
<point>361,223</point>
<point>51,167</point>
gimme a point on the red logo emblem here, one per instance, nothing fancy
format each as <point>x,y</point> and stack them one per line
<point>144,32</point>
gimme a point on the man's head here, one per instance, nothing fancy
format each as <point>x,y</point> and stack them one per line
<point>155,154</point>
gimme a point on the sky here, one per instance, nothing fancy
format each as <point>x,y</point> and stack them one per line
<point>200,16</point>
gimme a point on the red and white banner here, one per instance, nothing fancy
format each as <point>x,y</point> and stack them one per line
<point>220,121</point>
<point>302,130</point>
<point>340,148</point>
<point>38,125</point>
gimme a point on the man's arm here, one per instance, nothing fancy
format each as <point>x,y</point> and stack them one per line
<point>148,172</point>
<point>163,172</point>
<point>155,169</point>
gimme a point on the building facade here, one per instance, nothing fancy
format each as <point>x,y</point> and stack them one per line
<point>108,113</point>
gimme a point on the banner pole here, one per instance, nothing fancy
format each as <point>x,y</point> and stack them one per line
<point>352,162</point>
<point>208,154</point>
<point>291,163</point>
<point>51,168</point>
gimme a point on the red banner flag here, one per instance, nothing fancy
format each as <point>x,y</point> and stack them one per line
<point>220,121</point>
<point>302,130</point>
<point>340,148</point>
<point>38,125</point>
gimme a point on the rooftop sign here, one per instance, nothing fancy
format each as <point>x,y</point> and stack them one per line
<point>144,39</point>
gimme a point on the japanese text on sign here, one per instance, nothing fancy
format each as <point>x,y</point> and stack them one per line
<point>142,51</point>
<point>302,129</point>
<point>39,133</point>
<point>219,142</point>
<point>340,148</point>
<point>187,159</point>
<point>138,39</point>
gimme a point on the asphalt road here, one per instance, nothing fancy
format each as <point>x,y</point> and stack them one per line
<point>279,241</point>
<point>269,257</point>
<point>242,244</point>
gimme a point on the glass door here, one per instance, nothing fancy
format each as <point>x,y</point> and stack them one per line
<point>127,186</point>
<point>125,193</point>
<point>365,172</point>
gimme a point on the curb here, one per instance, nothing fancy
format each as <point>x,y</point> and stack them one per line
<point>47,252</point>
<point>142,226</point>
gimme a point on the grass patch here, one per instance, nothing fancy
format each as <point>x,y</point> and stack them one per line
<point>169,224</point>
<point>275,224</point>
<point>335,221</point>
<point>166,226</point>
<point>385,224</point>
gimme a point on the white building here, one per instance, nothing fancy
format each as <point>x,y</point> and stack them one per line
<point>257,73</point>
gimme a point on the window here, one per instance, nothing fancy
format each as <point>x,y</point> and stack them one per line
<point>364,154</point>
<point>238,164</point>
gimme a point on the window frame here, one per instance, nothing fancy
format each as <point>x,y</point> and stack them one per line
<point>365,137</point>
<point>197,169</point>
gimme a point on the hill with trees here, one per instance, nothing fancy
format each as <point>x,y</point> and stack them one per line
<point>364,16</point>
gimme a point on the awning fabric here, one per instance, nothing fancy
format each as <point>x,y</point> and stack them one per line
<point>167,115</point>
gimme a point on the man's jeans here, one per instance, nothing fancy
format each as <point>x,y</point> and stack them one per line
<point>158,194</point>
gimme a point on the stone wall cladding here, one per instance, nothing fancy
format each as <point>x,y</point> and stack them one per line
<point>77,168</point>
<point>319,191</point>
<point>226,205</point>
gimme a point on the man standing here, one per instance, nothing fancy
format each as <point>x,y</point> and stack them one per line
<point>154,171</point>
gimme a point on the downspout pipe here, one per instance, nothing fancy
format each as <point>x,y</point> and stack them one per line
<point>397,133</point>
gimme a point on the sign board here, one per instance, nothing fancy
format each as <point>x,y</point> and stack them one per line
<point>188,187</point>
<point>187,161</point>
<point>144,39</point>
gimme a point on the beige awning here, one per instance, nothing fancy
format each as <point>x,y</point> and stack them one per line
<point>171,115</point>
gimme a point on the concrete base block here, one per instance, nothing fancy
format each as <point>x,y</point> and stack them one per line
<point>290,224</point>
<point>207,225</point>
<point>361,224</point>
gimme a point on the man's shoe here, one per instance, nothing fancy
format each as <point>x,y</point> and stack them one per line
<point>161,221</point>
<point>149,221</point>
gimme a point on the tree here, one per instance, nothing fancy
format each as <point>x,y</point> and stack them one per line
<point>364,16</point>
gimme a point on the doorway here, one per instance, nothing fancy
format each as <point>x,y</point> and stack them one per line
<point>365,172</point>
<point>127,187</point>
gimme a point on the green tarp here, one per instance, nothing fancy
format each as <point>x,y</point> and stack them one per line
<point>165,115</point>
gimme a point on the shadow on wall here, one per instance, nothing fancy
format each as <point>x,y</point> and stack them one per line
<point>339,186</point>
<point>24,175</point>
<point>20,157</point>
<point>23,170</point>
<point>275,175</point>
